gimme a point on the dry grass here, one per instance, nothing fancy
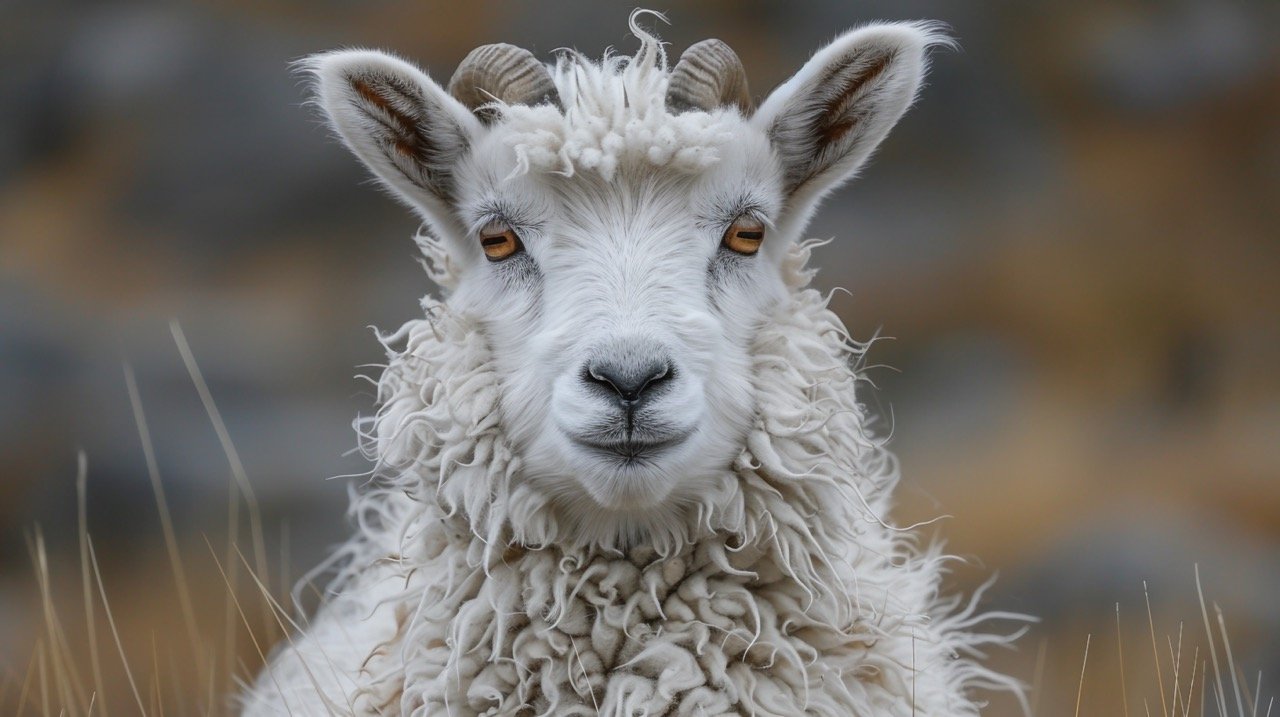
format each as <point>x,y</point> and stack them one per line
<point>189,648</point>
<point>1179,694</point>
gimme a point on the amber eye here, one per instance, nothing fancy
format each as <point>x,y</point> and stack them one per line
<point>744,235</point>
<point>499,240</point>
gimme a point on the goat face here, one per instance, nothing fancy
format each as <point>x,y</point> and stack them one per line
<point>622,323</point>
<point>617,230</point>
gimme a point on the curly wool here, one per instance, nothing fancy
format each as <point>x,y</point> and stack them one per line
<point>783,593</point>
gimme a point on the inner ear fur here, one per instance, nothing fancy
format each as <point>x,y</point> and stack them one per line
<point>402,125</point>
<point>826,120</point>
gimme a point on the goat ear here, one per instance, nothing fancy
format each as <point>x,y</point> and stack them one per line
<point>398,121</point>
<point>831,115</point>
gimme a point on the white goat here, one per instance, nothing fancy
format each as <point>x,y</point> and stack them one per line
<point>621,468</point>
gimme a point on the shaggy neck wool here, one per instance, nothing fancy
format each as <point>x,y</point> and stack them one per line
<point>784,591</point>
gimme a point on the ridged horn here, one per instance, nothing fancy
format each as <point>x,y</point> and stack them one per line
<point>505,72</point>
<point>708,75</point>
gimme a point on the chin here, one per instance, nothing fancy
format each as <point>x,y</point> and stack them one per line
<point>630,484</point>
<point>637,487</point>
<point>615,493</point>
<point>641,503</point>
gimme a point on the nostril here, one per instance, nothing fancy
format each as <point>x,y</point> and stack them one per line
<point>629,383</point>
<point>659,374</point>
<point>599,376</point>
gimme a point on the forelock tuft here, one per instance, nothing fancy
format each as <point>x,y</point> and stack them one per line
<point>614,115</point>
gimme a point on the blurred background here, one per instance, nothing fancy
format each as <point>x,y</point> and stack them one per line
<point>1073,240</point>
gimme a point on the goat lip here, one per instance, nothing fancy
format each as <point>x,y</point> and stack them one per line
<point>628,449</point>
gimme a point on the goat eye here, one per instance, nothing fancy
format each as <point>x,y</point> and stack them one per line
<point>744,235</point>
<point>499,240</point>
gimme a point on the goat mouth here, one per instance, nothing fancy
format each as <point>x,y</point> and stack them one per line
<point>629,450</point>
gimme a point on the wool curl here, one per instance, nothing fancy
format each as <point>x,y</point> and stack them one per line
<point>785,592</point>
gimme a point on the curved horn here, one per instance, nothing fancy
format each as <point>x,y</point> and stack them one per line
<point>708,75</point>
<point>504,72</point>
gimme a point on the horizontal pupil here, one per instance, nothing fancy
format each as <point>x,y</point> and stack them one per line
<point>752,236</point>
<point>494,241</point>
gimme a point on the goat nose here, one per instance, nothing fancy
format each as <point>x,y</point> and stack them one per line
<point>629,383</point>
